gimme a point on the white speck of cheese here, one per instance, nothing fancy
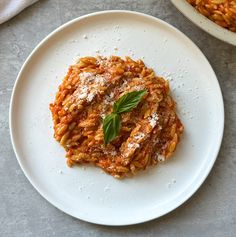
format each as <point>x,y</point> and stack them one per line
<point>153,119</point>
<point>85,36</point>
<point>173,181</point>
<point>133,145</point>
<point>90,97</point>
<point>83,92</point>
<point>99,79</point>
<point>102,115</point>
<point>108,100</point>
<point>139,136</point>
<point>113,153</point>
<point>160,158</point>
<point>77,59</point>
<point>106,189</point>
<point>165,40</point>
<point>87,78</point>
<point>138,87</point>
<point>85,75</point>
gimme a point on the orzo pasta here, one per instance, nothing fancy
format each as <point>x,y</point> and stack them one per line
<point>222,12</point>
<point>149,133</point>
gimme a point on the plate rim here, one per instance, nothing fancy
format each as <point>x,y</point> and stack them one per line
<point>200,180</point>
<point>204,23</point>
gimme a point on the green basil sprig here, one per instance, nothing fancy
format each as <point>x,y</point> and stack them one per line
<point>112,122</point>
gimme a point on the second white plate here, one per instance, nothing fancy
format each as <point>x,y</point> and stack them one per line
<point>85,192</point>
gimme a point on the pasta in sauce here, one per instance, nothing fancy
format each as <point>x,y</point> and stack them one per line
<point>149,133</point>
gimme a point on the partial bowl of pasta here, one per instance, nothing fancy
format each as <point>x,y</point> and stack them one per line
<point>216,17</point>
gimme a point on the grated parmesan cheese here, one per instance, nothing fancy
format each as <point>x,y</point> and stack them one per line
<point>160,158</point>
<point>133,145</point>
<point>108,100</point>
<point>138,87</point>
<point>85,75</point>
<point>124,84</point>
<point>153,119</point>
<point>112,94</point>
<point>90,97</point>
<point>102,115</point>
<point>107,188</point>
<point>139,136</point>
<point>113,153</point>
<point>100,80</point>
<point>91,81</point>
<point>83,93</point>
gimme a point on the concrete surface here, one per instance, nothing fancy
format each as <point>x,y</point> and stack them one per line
<point>23,212</point>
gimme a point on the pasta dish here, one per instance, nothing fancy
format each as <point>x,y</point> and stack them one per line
<point>137,138</point>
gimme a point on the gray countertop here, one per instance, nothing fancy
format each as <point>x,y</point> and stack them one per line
<point>23,212</point>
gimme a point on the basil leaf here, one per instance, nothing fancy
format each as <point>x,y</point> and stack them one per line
<point>112,122</point>
<point>128,101</point>
<point>111,127</point>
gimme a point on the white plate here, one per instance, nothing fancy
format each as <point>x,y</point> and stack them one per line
<point>87,193</point>
<point>207,25</point>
